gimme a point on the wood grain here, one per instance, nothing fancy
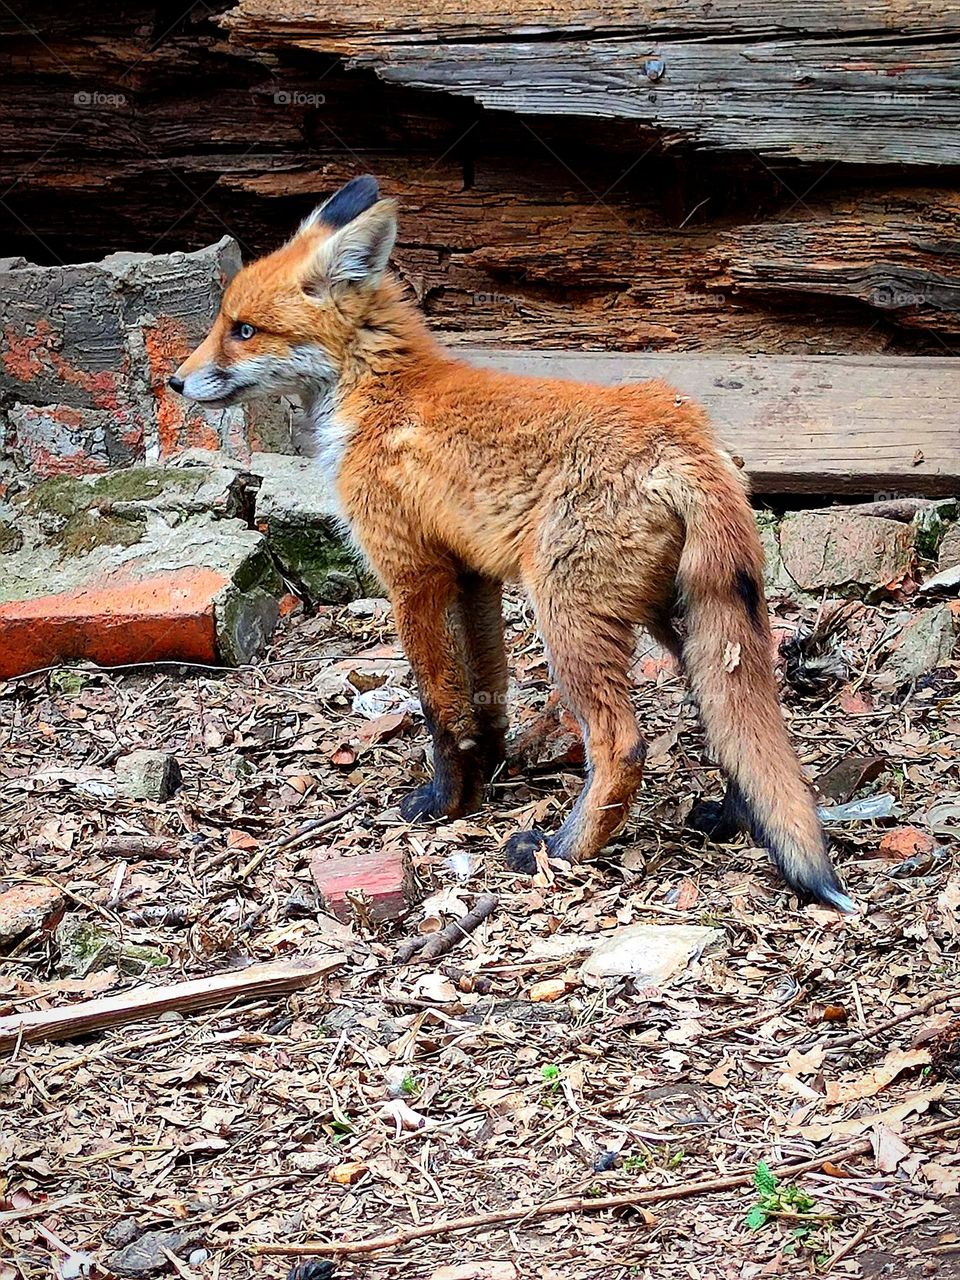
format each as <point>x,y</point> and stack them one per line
<point>842,425</point>
<point>874,87</point>
<point>258,981</point>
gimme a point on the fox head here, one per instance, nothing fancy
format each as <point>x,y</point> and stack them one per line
<point>288,321</point>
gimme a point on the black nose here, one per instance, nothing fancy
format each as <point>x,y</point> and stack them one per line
<point>176,384</point>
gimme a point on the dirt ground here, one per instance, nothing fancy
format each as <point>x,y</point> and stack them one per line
<point>225,1125</point>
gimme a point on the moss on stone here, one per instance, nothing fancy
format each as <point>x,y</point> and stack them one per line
<point>62,496</point>
<point>11,539</point>
<point>89,529</point>
<point>140,484</point>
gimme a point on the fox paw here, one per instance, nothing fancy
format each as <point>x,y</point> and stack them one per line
<point>520,851</point>
<point>422,803</point>
<point>709,818</point>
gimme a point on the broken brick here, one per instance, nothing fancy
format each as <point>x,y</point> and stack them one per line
<point>374,886</point>
<point>906,842</point>
<point>25,908</point>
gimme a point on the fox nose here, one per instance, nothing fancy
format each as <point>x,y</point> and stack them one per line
<point>176,384</point>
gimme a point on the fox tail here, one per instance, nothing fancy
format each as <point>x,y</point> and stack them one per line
<point>727,654</point>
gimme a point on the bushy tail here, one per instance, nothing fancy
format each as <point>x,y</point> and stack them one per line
<point>728,659</point>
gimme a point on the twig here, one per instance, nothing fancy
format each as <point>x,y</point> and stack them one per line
<point>578,1204</point>
<point>315,824</point>
<point>301,834</point>
<point>434,945</point>
<point>844,1249</point>
<point>867,1033</point>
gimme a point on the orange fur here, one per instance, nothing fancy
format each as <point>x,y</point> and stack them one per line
<point>610,506</point>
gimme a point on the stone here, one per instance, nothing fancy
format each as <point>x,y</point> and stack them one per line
<point>148,775</point>
<point>101,339</point>
<point>138,565</point>
<point>368,887</point>
<point>298,514</point>
<point>926,642</point>
<point>846,553</point>
<point>649,953</point>
<point>950,548</point>
<point>147,1255</point>
<point>86,948</point>
<point>24,908</point>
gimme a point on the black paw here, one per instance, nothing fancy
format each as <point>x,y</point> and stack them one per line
<point>711,819</point>
<point>520,851</point>
<point>312,1269</point>
<point>422,803</point>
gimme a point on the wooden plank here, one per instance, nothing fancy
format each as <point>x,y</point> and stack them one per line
<point>255,982</point>
<point>818,424</point>
<point>830,85</point>
<point>856,101</point>
<point>349,25</point>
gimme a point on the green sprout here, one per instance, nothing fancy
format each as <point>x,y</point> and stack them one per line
<point>776,1200</point>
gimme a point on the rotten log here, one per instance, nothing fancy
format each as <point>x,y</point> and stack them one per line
<point>257,981</point>
<point>501,241</point>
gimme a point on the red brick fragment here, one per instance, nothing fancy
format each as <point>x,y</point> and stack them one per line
<point>25,907</point>
<point>122,619</point>
<point>380,885</point>
<point>905,842</point>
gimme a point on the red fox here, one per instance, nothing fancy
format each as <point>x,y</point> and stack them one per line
<point>613,507</point>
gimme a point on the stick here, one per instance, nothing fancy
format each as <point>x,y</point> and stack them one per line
<point>844,1249</point>
<point>855,1037</point>
<point>296,837</point>
<point>578,1204</point>
<point>270,979</point>
<point>434,945</point>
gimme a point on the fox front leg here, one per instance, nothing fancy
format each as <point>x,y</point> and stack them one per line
<point>424,608</point>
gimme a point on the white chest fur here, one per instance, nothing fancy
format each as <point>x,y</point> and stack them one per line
<point>326,438</point>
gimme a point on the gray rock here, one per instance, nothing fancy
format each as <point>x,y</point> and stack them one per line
<point>148,775</point>
<point>925,643</point>
<point>297,512</point>
<point>845,552</point>
<point>145,1256</point>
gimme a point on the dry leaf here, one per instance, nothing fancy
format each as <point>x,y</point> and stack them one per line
<point>851,1088</point>
<point>888,1148</point>
<point>549,989</point>
<point>349,1173</point>
<point>918,1101</point>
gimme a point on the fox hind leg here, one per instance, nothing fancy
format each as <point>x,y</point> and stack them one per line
<point>590,656</point>
<point>719,820</point>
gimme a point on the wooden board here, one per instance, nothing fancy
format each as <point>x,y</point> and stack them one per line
<point>868,97</point>
<point>257,981</point>
<point>830,424</point>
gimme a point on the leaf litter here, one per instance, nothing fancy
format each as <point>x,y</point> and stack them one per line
<point>396,1094</point>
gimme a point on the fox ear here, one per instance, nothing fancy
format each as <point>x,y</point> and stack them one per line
<point>353,198</point>
<point>355,254</point>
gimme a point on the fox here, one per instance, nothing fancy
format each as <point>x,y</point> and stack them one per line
<point>613,507</point>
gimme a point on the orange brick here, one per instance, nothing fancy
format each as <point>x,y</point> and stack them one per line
<point>120,620</point>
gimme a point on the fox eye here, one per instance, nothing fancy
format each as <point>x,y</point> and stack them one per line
<point>243,331</point>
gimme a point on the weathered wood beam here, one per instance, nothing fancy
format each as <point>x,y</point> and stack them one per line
<point>827,424</point>
<point>258,981</point>
<point>816,83</point>
<point>349,25</point>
